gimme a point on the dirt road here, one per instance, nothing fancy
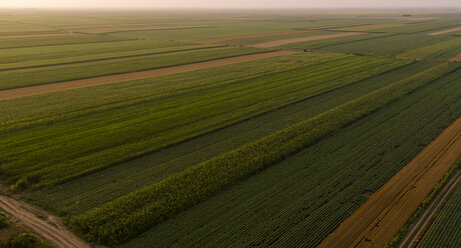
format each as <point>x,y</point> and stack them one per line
<point>277,43</point>
<point>422,225</point>
<point>81,83</point>
<point>376,222</point>
<point>445,31</point>
<point>56,233</point>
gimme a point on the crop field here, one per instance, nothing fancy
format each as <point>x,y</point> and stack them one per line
<point>444,231</point>
<point>222,128</point>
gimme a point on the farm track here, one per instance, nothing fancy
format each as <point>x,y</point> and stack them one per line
<point>387,210</point>
<point>303,39</point>
<point>56,232</point>
<point>445,31</point>
<point>429,215</point>
<point>82,83</point>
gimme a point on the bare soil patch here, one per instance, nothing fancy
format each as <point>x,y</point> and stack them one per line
<point>132,28</point>
<point>446,31</point>
<point>81,83</point>
<point>376,222</point>
<point>456,58</point>
<point>56,232</point>
<point>303,39</point>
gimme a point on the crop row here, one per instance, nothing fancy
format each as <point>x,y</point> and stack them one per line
<point>57,40</point>
<point>99,57</point>
<point>18,113</point>
<point>299,201</point>
<point>387,46</point>
<point>440,51</point>
<point>58,73</point>
<point>148,126</point>
<point>130,215</point>
<point>92,191</point>
<point>445,231</point>
<point>23,56</point>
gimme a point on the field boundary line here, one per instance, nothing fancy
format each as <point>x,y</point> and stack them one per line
<point>445,31</point>
<point>117,78</point>
<point>276,43</point>
<point>110,58</point>
<point>431,213</point>
<point>376,221</point>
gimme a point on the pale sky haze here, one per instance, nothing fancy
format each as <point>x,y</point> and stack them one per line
<point>230,3</point>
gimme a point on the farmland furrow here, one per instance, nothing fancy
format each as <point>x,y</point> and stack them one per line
<point>304,197</point>
<point>380,218</point>
<point>153,167</point>
<point>75,84</point>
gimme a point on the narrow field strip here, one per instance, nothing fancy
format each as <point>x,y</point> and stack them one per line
<point>445,31</point>
<point>75,84</point>
<point>133,28</point>
<point>101,57</point>
<point>250,36</point>
<point>36,35</point>
<point>56,233</point>
<point>303,39</point>
<point>381,217</point>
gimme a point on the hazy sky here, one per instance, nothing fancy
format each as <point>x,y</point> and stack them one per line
<point>230,3</point>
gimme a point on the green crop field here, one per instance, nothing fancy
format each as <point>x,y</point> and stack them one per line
<point>248,147</point>
<point>445,231</point>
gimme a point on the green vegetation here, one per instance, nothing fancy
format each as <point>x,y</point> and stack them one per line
<point>25,240</point>
<point>272,152</point>
<point>439,51</point>
<point>445,231</point>
<point>115,221</point>
<point>423,206</point>
<point>140,130</point>
<point>72,71</point>
<point>4,223</point>
<point>57,40</point>
<point>94,190</point>
<point>302,199</point>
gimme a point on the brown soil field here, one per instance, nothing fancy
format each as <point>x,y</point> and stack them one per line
<point>133,28</point>
<point>377,221</point>
<point>295,40</point>
<point>35,35</point>
<point>241,37</point>
<point>81,83</point>
<point>446,31</point>
<point>56,233</point>
<point>456,58</point>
